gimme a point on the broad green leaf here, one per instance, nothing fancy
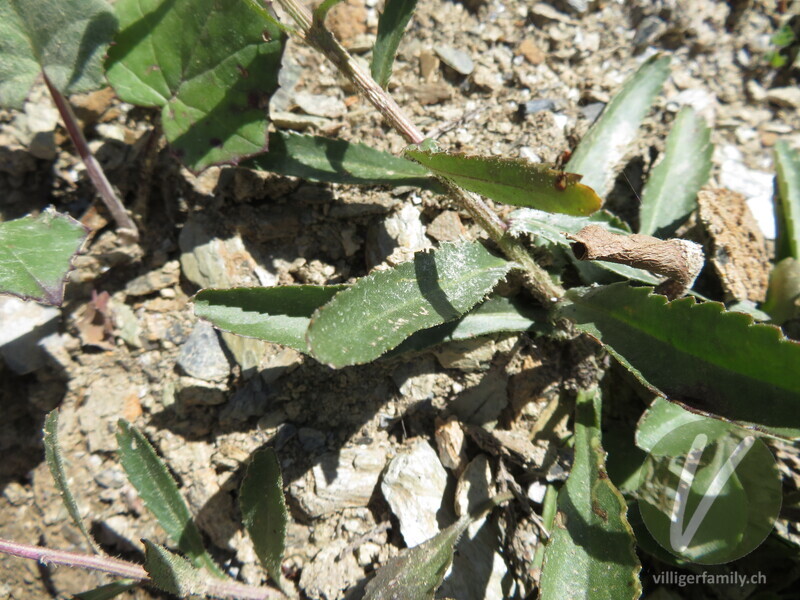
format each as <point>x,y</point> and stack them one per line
<point>787,205</point>
<point>511,181</point>
<point>670,195</point>
<point>391,25</point>
<point>156,487</point>
<point>55,461</point>
<point>664,417</point>
<point>417,572</point>
<point>315,158</point>
<point>36,254</point>
<point>384,308</point>
<point>711,360</point>
<point>590,553</point>
<point>264,510</point>
<point>553,229</point>
<point>604,146</point>
<point>496,315</point>
<point>211,66</point>
<point>783,293</point>
<point>66,39</point>
<point>172,573</point>
<point>280,315</point>
<point>108,591</point>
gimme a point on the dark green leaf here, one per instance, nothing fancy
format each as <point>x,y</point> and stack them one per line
<point>65,38</point>
<point>264,510</point>
<point>670,195</point>
<point>384,308</point>
<point>36,254</point>
<point>787,205</point>
<point>553,229</point>
<point>172,573</point>
<point>280,315</point>
<point>783,294</point>
<point>699,354</point>
<point>511,181</point>
<point>210,65</point>
<point>108,591</point>
<point>156,487</point>
<point>55,461</point>
<point>604,146</point>
<point>391,25</point>
<point>495,315</point>
<point>316,158</point>
<point>590,553</point>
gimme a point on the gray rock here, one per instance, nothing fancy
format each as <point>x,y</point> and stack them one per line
<point>23,324</point>
<point>416,379</point>
<point>202,357</point>
<point>312,440</point>
<point>756,186</point>
<point>414,485</point>
<point>190,391</point>
<point>397,237</point>
<point>319,105</point>
<point>533,106</point>
<point>457,60</point>
<point>788,97</point>
<point>252,400</point>
<point>590,112</point>
<point>482,404</point>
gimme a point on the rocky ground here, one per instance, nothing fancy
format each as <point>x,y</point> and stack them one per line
<point>521,79</point>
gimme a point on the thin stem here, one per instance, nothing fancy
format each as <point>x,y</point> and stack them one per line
<point>315,34</point>
<point>96,174</point>
<point>121,568</point>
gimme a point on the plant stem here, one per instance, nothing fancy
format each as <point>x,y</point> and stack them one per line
<point>93,168</point>
<point>128,570</point>
<point>317,36</point>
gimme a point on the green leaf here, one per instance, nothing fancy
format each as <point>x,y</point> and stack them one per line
<point>670,195</point>
<point>511,181</point>
<point>391,26</point>
<point>108,591</point>
<point>604,146</point>
<point>172,573</point>
<point>207,65</point>
<point>280,315</point>
<point>590,553</point>
<point>384,308</point>
<point>417,572</point>
<point>264,510</point>
<point>315,158</point>
<point>36,254</point>
<point>711,360</point>
<point>553,229</point>
<point>66,39</point>
<point>55,461</point>
<point>787,206</point>
<point>156,487</point>
<point>496,315</point>
<point>783,293</point>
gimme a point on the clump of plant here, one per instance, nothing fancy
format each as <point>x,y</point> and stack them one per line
<point>705,364</point>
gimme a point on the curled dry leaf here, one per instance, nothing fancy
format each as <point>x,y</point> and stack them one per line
<point>679,261</point>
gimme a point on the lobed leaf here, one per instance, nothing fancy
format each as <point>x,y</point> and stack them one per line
<point>711,360</point>
<point>36,254</point>
<point>315,158</point>
<point>280,315</point>
<point>783,293</point>
<point>264,510</point>
<point>391,26</point>
<point>604,146</point>
<point>211,66</point>
<point>66,39</point>
<point>55,462</point>
<point>156,487</point>
<point>511,181</point>
<point>670,194</point>
<point>553,229</point>
<point>384,308</point>
<point>590,553</point>
<point>787,206</point>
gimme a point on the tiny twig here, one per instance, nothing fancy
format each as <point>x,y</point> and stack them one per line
<point>121,568</point>
<point>93,168</point>
<point>679,261</point>
<point>313,32</point>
